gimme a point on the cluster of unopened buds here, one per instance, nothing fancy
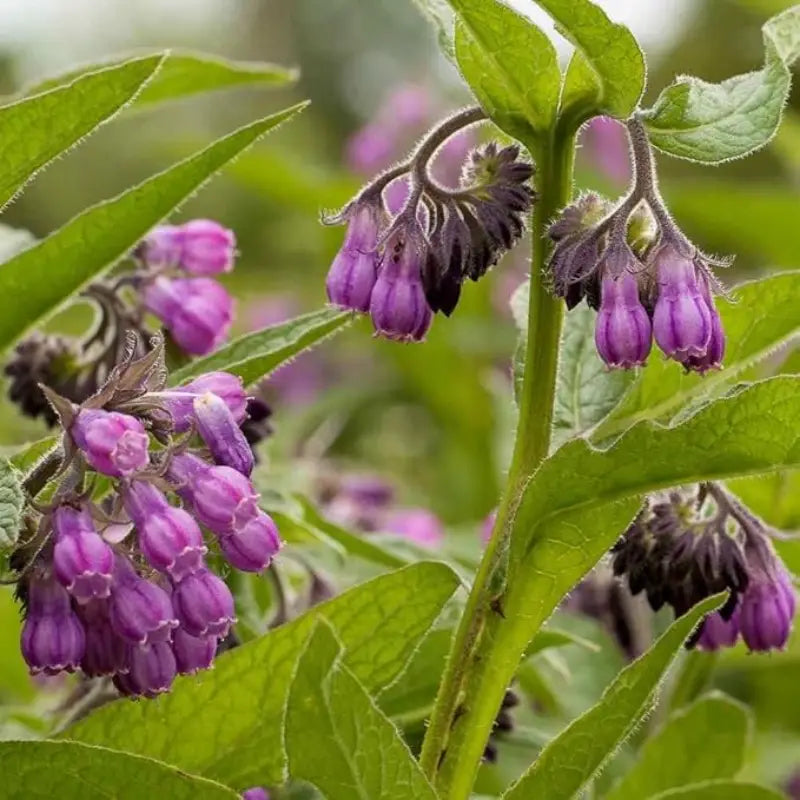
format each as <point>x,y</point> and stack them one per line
<point>643,276</point>
<point>119,584</point>
<point>683,547</point>
<point>402,268</point>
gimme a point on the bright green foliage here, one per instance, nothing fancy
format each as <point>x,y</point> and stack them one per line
<point>509,64</point>
<point>29,455</point>
<point>44,770</point>
<point>227,724</point>
<point>705,742</point>
<point>575,755</point>
<point>715,122</point>
<point>256,354</point>
<point>43,277</point>
<point>12,500</point>
<point>720,790</point>
<point>337,738</point>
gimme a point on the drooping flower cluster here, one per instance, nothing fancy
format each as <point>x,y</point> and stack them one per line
<point>402,269</point>
<point>646,280</point>
<point>122,587</point>
<point>682,548</point>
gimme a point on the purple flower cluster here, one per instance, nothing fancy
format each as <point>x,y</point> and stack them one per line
<point>147,607</point>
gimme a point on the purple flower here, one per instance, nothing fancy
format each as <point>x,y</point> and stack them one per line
<point>417,524</point>
<point>681,319</point>
<point>193,653</point>
<point>488,526</point>
<point>204,604</point>
<point>162,247</point>
<point>255,793</point>
<point>220,431</point>
<point>169,538</point>
<point>716,344</point>
<point>222,498</point>
<point>354,270</point>
<point>106,652</point>
<point>198,312</point>
<point>113,443</point>
<point>83,562</point>
<point>396,194</point>
<point>140,612</point>
<point>369,149</point>
<point>252,546</point>
<point>607,145</point>
<point>398,306</point>
<point>208,247</point>
<point>152,670</point>
<point>622,333</point>
<point>717,632</point>
<point>52,637</point>
<point>179,402</point>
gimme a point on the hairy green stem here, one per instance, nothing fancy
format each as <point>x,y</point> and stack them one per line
<point>461,721</point>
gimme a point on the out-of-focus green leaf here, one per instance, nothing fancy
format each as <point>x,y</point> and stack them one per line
<point>440,16</point>
<point>43,277</point>
<point>509,64</point>
<point>43,770</point>
<point>255,355</point>
<point>720,790</point>
<point>35,130</point>
<point>12,501</point>
<point>337,738</point>
<point>552,637</point>
<point>715,122</point>
<point>227,723</point>
<point>15,682</point>
<point>705,742</point>
<point>573,757</point>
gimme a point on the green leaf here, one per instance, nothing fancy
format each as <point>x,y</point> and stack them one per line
<point>34,130</point>
<point>552,637</point>
<point>184,73</point>
<point>721,790</point>
<point>26,458</point>
<point>12,501</point>
<point>705,742</point>
<point>256,354</point>
<point>41,278</point>
<point>575,755</point>
<point>338,739</point>
<point>607,50</point>
<point>715,122</point>
<point>70,770</point>
<point>227,724</point>
<point>510,65</point>
<point>762,317</point>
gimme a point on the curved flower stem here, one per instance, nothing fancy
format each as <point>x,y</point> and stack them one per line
<point>461,721</point>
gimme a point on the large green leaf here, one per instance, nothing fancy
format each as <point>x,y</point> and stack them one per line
<point>46,770</point>
<point>256,354</point>
<point>715,122</point>
<point>509,64</point>
<point>35,130</point>
<point>185,73</point>
<point>338,739</point>
<point>762,316</point>
<point>705,742</point>
<point>720,790</point>
<point>41,278</point>
<point>227,724</point>
<point>575,755</point>
<point>12,501</point>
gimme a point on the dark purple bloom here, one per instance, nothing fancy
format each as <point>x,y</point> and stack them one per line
<point>622,333</point>
<point>716,344</point>
<point>83,562</point>
<point>162,247</point>
<point>52,637</point>
<point>681,319</point>
<point>417,524</point>
<point>179,402</point>
<point>717,632</point>
<point>252,546</point>
<point>113,443</point>
<point>255,793</point>
<point>355,269</point>
<point>169,537</point>
<point>204,604</point>
<point>140,611</point>
<point>152,669</point>
<point>222,498</point>
<point>220,431</point>
<point>198,312</point>
<point>193,653</point>
<point>208,247</point>
<point>106,652</point>
<point>397,305</point>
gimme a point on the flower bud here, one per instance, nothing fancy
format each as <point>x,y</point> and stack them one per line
<point>716,344</point>
<point>255,793</point>
<point>179,402</point>
<point>717,632</point>
<point>152,669</point>
<point>252,547</point>
<point>83,562</point>
<point>354,270</point>
<point>622,334</point>
<point>113,443</point>
<point>52,637</point>
<point>220,431</point>
<point>204,604</point>
<point>208,247</point>
<point>193,653</point>
<point>140,611</point>
<point>198,312</point>
<point>106,652</point>
<point>416,524</point>
<point>162,247</point>
<point>169,538</point>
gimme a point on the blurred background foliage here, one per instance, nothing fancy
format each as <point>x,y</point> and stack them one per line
<point>434,418</point>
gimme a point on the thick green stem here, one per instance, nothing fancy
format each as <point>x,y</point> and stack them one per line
<point>461,721</point>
